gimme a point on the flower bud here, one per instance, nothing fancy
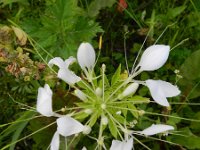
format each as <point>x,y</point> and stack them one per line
<point>98,91</point>
<point>88,111</point>
<point>86,56</point>
<point>118,112</point>
<point>104,120</point>
<point>154,57</point>
<point>80,95</point>
<point>86,129</point>
<point>131,89</point>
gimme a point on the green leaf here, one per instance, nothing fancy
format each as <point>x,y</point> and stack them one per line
<point>61,28</point>
<point>174,12</point>
<point>16,128</point>
<point>8,2</point>
<point>116,76</point>
<point>133,110</point>
<point>112,127</point>
<point>93,119</point>
<point>84,85</point>
<point>190,141</point>
<point>96,5</point>
<point>173,121</point>
<point>42,138</point>
<point>81,115</point>
<point>138,99</point>
<point>119,118</point>
<point>190,68</point>
<point>195,125</point>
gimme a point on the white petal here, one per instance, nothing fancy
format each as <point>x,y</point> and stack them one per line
<point>160,90</point>
<point>86,56</point>
<point>64,73</point>
<point>122,145</point>
<point>117,145</point>
<point>58,62</point>
<point>155,129</point>
<point>68,126</point>
<point>55,142</point>
<point>129,144</point>
<point>154,57</point>
<point>158,96</point>
<point>69,61</point>
<point>68,76</point>
<point>44,101</point>
<point>168,89</point>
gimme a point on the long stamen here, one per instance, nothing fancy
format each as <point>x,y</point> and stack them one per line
<point>133,70</point>
<point>141,143</point>
<point>157,114</point>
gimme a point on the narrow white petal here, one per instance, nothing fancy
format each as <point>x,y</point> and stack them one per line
<point>55,142</point>
<point>68,76</point>
<point>68,126</point>
<point>168,89</point>
<point>44,101</point>
<point>58,62</point>
<point>157,92</point>
<point>122,145</point>
<point>155,129</point>
<point>69,61</point>
<point>154,57</point>
<point>129,144</point>
<point>86,56</point>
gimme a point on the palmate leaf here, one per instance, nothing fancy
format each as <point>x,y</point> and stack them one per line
<point>64,27</point>
<point>96,5</point>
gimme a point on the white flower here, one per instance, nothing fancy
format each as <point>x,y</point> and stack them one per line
<point>68,126</point>
<point>155,129</point>
<point>44,101</point>
<point>154,57</point>
<point>80,95</point>
<point>86,56</point>
<point>122,145</point>
<point>131,89</point>
<point>160,90</point>
<point>64,73</point>
<point>55,142</point>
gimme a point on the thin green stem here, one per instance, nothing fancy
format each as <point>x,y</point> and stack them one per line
<point>18,121</point>
<point>141,143</point>
<point>157,114</point>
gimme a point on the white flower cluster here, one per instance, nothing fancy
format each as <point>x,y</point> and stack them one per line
<point>152,59</point>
